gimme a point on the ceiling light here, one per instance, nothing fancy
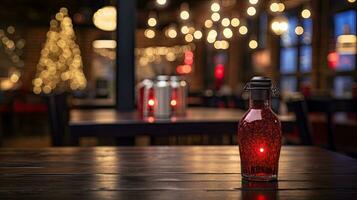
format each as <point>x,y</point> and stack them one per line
<point>197,34</point>
<point>243,30</point>
<point>106,18</point>
<point>208,23</point>
<point>215,17</point>
<point>149,33</point>
<point>227,33</point>
<point>251,11</point>
<point>184,15</point>
<point>253,44</point>
<point>235,22</point>
<point>225,22</point>
<point>306,13</point>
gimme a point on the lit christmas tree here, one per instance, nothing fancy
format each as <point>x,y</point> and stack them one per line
<point>60,67</point>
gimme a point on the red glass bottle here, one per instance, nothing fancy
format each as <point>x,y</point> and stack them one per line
<point>259,134</point>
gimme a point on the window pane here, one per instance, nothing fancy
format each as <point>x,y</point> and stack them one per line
<point>345,23</point>
<point>346,62</point>
<point>288,84</point>
<point>345,30</point>
<point>343,86</point>
<point>290,38</point>
<point>263,24</point>
<point>307,35</point>
<point>305,59</point>
<point>288,60</point>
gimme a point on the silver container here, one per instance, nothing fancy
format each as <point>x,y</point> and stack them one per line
<point>162,95</point>
<point>179,91</point>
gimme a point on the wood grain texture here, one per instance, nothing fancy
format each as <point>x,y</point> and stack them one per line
<point>184,172</point>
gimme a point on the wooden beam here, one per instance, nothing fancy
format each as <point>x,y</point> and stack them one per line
<point>125,59</point>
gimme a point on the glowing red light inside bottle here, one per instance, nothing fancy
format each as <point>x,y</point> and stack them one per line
<point>261,150</point>
<point>261,197</point>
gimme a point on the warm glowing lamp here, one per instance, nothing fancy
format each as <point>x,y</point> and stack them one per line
<point>106,18</point>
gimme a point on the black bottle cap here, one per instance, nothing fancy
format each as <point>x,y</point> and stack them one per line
<point>259,83</point>
<point>260,88</point>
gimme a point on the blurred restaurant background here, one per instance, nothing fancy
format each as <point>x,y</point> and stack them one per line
<point>307,48</point>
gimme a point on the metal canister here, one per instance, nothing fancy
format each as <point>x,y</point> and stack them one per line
<point>162,95</point>
<point>179,91</point>
<point>146,100</point>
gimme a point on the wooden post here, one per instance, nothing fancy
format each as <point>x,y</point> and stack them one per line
<point>320,38</point>
<point>125,57</point>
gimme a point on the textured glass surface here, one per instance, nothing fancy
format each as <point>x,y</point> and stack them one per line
<point>259,139</point>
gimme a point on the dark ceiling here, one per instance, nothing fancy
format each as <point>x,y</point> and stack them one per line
<point>40,12</point>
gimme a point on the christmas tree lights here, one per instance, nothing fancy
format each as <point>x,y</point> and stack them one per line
<point>60,67</point>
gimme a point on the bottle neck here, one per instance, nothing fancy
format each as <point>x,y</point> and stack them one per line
<point>260,99</point>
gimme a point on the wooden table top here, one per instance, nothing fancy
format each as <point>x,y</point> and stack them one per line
<point>111,116</point>
<point>109,122</point>
<point>184,172</point>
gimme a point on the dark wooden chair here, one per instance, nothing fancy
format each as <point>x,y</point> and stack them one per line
<point>298,105</point>
<point>326,105</point>
<point>329,106</point>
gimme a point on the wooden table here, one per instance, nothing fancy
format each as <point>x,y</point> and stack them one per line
<point>184,172</point>
<point>108,122</point>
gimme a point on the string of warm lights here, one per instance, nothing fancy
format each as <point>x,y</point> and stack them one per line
<point>217,30</point>
<point>12,46</point>
<point>216,27</point>
<point>161,2</point>
<point>155,54</point>
<point>60,65</point>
